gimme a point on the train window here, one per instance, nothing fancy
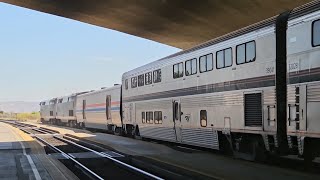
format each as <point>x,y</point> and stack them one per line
<point>84,104</point>
<point>134,82</point>
<point>206,63</point>
<point>141,80</point>
<point>316,33</point>
<point>203,118</point>
<point>250,51</point>
<point>108,107</point>
<point>157,76</point>
<point>228,57</point>
<point>176,111</point>
<point>224,58</point>
<point>178,70</point>
<point>148,78</point>
<point>241,54</point>
<point>126,84</point>
<point>220,59</point>
<point>191,67</point>
<point>70,112</point>
<point>143,117</point>
<point>149,117</point>
<point>246,52</point>
<point>158,117</point>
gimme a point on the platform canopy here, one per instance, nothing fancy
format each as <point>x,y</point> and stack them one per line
<point>178,23</point>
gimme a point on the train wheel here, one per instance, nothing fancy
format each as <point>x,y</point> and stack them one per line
<point>258,151</point>
<point>136,133</point>
<point>71,124</point>
<point>226,145</point>
<point>118,131</point>
<point>308,154</point>
<point>82,125</point>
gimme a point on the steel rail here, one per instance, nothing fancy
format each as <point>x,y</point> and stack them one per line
<point>112,159</point>
<point>69,157</point>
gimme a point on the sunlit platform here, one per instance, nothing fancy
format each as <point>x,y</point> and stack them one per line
<point>23,158</point>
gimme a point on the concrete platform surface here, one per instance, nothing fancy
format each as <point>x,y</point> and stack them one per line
<point>206,163</point>
<point>21,157</point>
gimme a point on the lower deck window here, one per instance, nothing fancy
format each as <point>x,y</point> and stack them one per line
<point>70,112</point>
<point>143,117</point>
<point>158,117</point>
<point>203,118</point>
<point>149,118</point>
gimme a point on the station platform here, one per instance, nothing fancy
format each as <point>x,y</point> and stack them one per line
<point>21,157</point>
<point>209,164</point>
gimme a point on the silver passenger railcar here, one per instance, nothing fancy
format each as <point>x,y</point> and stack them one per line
<point>250,91</point>
<point>100,109</point>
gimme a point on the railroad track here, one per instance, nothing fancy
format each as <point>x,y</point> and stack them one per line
<point>72,147</point>
<point>84,161</point>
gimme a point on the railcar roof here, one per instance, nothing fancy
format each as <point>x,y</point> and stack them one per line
<point>297,12</point>
<point>100,90</point>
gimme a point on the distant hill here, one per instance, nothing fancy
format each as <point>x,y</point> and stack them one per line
<point>19,106</point>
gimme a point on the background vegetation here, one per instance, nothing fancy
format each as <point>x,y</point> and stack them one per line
<point>32,116</point>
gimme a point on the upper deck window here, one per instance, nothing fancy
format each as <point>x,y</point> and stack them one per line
<point>206,63</point>
<point>126,84</point>
<point>141,80</point>
<point>191,67</point>
<point>148,78</point>
<point>246,52</point>
<point>70,99</point>
<point>316,33</point>
<point>178,70</point>
<point>224,58</point>
<point>134,82</point>
<point>157,76</point>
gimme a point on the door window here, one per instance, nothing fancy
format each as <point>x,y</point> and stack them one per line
<point>203,118</point>
<point>108,107</point>
<point>84,109</point>
<point>176,111</point>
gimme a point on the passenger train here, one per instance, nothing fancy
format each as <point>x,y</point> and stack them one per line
<point>252,91</point>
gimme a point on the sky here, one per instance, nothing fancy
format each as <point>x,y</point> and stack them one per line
<point>44,56</point>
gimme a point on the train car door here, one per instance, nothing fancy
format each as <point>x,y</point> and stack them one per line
<point>132,113</point>
<point>84,109</point>
<point>129,113</point>
<point>108,107</point>
<point>176,109</point>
